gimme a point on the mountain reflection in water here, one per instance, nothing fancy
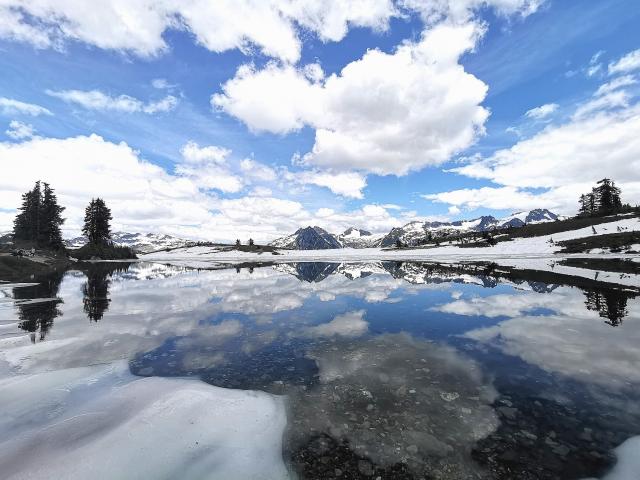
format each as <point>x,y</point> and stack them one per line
<point>389,369</point>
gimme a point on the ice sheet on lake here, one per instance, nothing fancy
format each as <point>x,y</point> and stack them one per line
<point>104,423</point>
<point>628,465</point>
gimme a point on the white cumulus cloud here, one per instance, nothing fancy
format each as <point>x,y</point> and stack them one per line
<point>19,130</point>
<point>145,197</point>
<point>386,113</point>
<point>138,27</point>
<point>346,184</point>
<point>207,168</point>
<point>565,160</point>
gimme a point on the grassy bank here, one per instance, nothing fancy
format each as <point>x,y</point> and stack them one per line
<point>24,269</point>
<point>614,242</point>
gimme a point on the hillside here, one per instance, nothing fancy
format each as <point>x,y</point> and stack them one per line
<point>139,242</point>
<point>356,238</point>
<point>521,245</point>
<point>416,233</point>
<point>309,238</point>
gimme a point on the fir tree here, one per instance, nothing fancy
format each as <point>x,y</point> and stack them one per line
<point>26,226</point>
<point>51,214</point>
<point>39,218</point>
<point>592,203</point>
<point>96,222</point>
<point>604,199</point>
<point>21,229</point>
<point>607,197</point>
<point>585,205</point>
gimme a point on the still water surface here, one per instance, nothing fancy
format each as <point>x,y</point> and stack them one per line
<point>316,370</point>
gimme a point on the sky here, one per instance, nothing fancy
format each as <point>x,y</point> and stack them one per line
<point>233,119</point>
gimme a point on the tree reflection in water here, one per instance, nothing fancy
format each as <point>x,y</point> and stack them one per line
<point>38,305</point>
<point>95,291</point>
<point>37,316</point>
<point>610,304</point>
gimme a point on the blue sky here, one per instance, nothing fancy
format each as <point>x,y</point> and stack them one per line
<point>428,119</point>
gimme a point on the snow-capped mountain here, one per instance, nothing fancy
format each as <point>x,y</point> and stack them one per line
<point>313,238</point>
<point>539,215</point>
<point>140,242</point>
<point>357,238</point>
<point>415,232</point>
<point>309,238</point>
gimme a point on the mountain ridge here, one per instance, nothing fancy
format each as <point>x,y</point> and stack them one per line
<point>308,238</point>
<point>411,233</point>
<point>139,242</point>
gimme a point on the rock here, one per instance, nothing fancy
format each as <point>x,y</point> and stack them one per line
<point>365,468</point>
<point>561,450</point>
<point>449,396</point>
<point>508,412</point>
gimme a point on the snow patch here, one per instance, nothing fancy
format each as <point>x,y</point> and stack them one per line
<point>104,423</point>
<point>628,466</point>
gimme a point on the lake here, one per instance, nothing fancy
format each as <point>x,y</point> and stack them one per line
<point>389,370</point>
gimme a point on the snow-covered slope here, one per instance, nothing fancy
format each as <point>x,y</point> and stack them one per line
<point>545,245</point>
<point>415,233</point>
<point>539,215</point>
<point>140,242</point>
<point>357,238</point>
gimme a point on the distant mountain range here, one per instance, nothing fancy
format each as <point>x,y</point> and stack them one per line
<point>415,232</point>
<point>139,242</point>
<point>314,238</point>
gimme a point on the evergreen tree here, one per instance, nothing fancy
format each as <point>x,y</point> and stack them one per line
<point>592,203</point>
<point>584,210</point>
<point>96,222</point>
<point>51,214</point>
<point>604,199</point>
<point>26,226</point>
<point>39,218</point>
<point>607,197</point>
<point>21,230</point>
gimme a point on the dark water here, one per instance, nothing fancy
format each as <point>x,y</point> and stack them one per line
<point>389,370</point>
